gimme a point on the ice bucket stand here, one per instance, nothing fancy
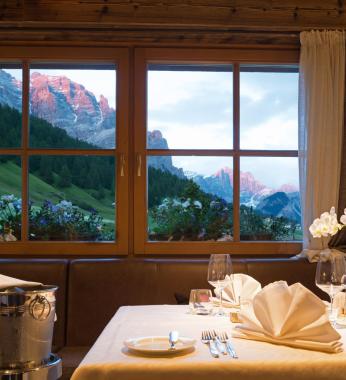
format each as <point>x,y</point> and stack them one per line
<point>52,370</point>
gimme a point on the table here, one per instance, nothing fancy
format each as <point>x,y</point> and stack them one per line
<point>108,359</point>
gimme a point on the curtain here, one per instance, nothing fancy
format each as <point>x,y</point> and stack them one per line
<point>321,110</point>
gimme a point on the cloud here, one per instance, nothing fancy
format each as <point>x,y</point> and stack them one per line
<point>216,135</point>
<point>277,132</point>
<point>169,88</point>
<point>252,91</point>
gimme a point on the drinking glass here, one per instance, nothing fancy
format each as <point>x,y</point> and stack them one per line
<point>330,278</point>
<point>200,302</point>
<point>219,275</point>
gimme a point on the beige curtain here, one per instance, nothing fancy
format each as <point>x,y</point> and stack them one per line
<point>321,109</point>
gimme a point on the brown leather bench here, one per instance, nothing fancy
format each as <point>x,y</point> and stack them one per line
<point>91,290</point>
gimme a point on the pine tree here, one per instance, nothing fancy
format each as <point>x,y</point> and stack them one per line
<point>65,177</point>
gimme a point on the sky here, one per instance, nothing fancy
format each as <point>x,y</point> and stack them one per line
<point>194,110</point>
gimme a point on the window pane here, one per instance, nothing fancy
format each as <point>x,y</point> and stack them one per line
<point>269,107</point>
<point>10,198</point>
<point>190,198</point>
<point>10,106</point>
<point>72,198</point>
<point>190,107</point>
<point>72,106</point>
<point>269,197</point>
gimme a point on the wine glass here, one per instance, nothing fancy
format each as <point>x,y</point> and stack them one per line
<point>330,278</point>
<point>219,272</point>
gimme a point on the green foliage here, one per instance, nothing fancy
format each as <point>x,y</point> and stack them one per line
<point>162,184</point>
<point>86,172</point>
<point>254,226</point>
<point>10,215</point>
<point>65,177</point>
<point>194,215</point>
<point>62,221</point>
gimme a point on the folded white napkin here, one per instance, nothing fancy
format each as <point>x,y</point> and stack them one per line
<point>288,315</point>
<point>9,282</point>
<point>240,287</point>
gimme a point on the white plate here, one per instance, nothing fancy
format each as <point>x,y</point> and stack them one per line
<point>158,345</point>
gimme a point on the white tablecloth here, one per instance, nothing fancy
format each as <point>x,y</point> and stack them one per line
<point>109,360</point>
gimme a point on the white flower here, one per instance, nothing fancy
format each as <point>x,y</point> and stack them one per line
<point>186,203</point>
<point>316,228</point>
<point>343,218</point>
<point>326,225</point>
<point>198,204</point>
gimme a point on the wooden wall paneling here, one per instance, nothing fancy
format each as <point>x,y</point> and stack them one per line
<point>247,14</point>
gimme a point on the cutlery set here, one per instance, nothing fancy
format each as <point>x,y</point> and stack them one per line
<point>218,343</point>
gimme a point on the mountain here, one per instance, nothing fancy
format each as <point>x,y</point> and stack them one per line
<point>281,204</point>
<point>64,104</point>
<point>10,91</point>
<point>155,140</point>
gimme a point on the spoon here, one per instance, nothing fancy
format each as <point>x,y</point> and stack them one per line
<point>173,338</point>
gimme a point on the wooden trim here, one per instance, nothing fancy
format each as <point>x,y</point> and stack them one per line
<point>146,37</point>
<point>140,131</point>
<point>24,157</point>
<point>48,248</point>
<point>213,56</point>
<point>62,54</point>
<point>236,144</point>
<point>77,55</point>
<point>153,152</point>
<point>234,248</point>
<point>122,125</point>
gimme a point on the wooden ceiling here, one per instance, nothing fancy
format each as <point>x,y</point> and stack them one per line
<point>220,22</point>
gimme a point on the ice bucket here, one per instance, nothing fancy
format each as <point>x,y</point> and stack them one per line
<point>26,326</point>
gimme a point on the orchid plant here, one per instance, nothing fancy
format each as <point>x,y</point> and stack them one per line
<point>327,225</point>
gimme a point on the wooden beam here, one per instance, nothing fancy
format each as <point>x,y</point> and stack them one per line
<point>269,15</point>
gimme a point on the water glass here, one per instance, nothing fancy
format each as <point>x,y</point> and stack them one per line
<point>200,301</point>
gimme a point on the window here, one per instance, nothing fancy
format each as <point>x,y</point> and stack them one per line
<point>194,151</point>
<point>63,147</point>
<point>219,140</point>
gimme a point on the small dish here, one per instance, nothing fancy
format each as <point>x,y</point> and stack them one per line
<point>159,345</point>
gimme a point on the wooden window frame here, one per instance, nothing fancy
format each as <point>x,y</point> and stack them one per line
<point>79,55</point>
<point>236,57</point>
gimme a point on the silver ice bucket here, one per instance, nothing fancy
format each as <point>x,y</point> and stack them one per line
<point>26,326</point>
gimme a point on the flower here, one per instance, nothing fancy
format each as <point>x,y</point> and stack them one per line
<point>326,225</point>
<point>343,218</point>
<point>198,204</point>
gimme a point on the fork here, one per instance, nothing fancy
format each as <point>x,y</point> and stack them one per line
<point>219,344</point>
<point>224,339</point>
<point>208,339</point>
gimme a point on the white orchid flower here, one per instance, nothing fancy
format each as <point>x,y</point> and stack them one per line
<point>316,228</point>
<point>327,224</point>
<point>343,218</point>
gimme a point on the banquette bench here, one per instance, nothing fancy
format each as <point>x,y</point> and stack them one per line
<point>91,290</point>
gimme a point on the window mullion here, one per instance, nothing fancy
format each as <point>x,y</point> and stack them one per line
<point>25,146</point>
<point>236,147</point>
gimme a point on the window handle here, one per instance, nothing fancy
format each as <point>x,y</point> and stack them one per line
<point>122,165</point>
<point>139,165</point>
